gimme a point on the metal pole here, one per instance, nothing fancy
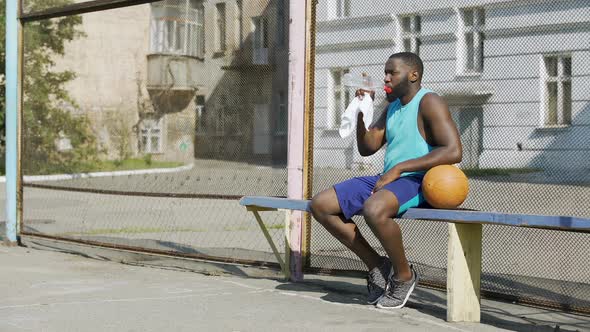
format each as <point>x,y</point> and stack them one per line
<point>11,120</point>
<point>297,36</point>
<point>309,127</point>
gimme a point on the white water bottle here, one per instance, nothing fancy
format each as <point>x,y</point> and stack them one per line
<point>363,81</point>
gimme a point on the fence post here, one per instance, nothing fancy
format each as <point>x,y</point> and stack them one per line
<point>297,57</point>
<point>12,120</point>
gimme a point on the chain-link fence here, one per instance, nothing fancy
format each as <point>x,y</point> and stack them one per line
<point>515,76</point>
<point>143,125</point>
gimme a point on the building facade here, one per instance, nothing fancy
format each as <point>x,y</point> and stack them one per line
<point>185,79</point>
<point>515,74</point>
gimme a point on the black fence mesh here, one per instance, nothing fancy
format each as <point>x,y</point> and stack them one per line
<point>143,126</point>
<point>515,77</point>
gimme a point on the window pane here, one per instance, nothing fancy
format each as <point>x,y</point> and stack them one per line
<point>256,27</point>
<point>193,41</point>
<point>155,146</point>
<point>567,102</point>
<point>470,52</point>
<point>180,31</point>
<point>144,143</point>
<point>551,118</point>
<point>337,108</point>
<point>481,16</point>
<point>480,52</point>
<point>337,78</point>
<point>240,21</point>
<point>346,98</point>
<point>468,17</point>
<point>200,32</point>
<point>417,24</point>
<point>346,8</point>
<point>173,28</point>
<point>406,24</point>
<point>551,66</point>
<point>567,66</point>
<point>265,33</point>
<point>169,32</point>
<point>220,7</point>
<point>407,44</point>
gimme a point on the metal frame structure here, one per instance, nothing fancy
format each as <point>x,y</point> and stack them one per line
<point>13,116</point>
<point>301,79</point>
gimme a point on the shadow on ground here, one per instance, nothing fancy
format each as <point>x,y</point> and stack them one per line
<point>433,303</point>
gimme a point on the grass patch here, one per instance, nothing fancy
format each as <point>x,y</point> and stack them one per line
<point>276,226</point>
<point>498,171</point>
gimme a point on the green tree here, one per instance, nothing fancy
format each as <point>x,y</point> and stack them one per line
<point>45,119</point>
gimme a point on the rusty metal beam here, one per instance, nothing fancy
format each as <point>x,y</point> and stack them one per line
<point>80,8</point>
<point>133,193</point>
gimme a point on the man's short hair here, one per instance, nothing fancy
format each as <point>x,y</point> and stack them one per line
<point>410,59</point>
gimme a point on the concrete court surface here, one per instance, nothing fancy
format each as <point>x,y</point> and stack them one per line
<point>44,290</point>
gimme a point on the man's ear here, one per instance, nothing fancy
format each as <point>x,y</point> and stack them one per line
<point>414,75</point>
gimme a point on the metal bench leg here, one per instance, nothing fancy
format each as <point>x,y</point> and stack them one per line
<point>463,272</point>
<point>282,263</point>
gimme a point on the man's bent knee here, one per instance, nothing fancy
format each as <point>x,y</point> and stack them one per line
<point>320,203</point>
<point>325,203</point>
<point>316,205</point>
<point>377,211</point>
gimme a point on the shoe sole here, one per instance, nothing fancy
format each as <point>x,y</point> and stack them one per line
<point>405,300</point>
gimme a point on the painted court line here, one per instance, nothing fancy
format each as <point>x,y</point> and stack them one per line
<point>133,299</point>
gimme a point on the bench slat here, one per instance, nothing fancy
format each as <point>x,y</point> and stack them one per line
<point>461,216</point>
<point>497,218</point>
<point>276,203</point>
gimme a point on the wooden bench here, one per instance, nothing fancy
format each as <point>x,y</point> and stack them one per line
<point>464,244</point>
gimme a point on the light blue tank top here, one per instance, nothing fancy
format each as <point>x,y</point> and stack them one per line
<point>404,141</point>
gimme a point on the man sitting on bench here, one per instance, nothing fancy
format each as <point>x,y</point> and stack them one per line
<point>420,134</point>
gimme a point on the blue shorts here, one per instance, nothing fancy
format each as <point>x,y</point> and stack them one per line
<point>353,193</point>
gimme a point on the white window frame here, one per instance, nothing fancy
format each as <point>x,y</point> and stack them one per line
<point>166,30</point>
<point>151,127</point>
<point>220,27</point>
<point>409,33</point>
<point>563,96</point>
<point>338,9</point>
<point>470,64</point>
<point>339,97</point>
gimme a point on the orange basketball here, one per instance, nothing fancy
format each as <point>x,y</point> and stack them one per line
<point>445,186</point>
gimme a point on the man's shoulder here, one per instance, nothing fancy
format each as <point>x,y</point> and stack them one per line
<point>431,99</point>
